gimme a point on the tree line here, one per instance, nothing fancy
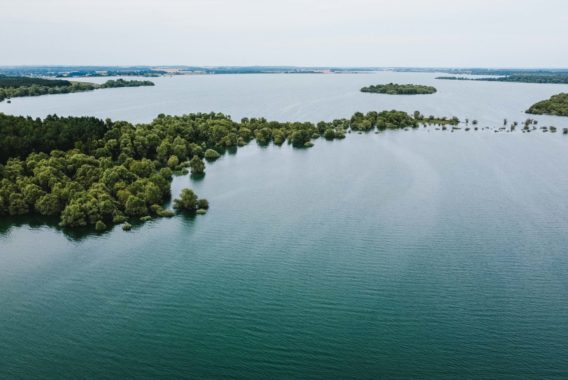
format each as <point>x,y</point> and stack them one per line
<point>400,89</point>
<point>519,78</point>
<point>13,87</point>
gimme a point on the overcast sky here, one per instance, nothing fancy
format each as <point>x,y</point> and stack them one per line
<point>466,33</point>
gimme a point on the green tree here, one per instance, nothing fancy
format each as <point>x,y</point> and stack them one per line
<point>173,161</point>
<point>187,201</point>
<point>197,166</point>
<point>211,155</point>
<point>135,206</point>
<point>17,204</point>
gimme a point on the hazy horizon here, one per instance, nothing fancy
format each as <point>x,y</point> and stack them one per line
<point>298,66</point>
<point>336,33</point>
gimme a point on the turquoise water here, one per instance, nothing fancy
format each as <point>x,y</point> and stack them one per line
<point>419,254</point>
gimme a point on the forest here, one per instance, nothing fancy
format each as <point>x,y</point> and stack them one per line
<point>91,172</point>
<point>557,105</point>
<point>13,87</point>
<point>400,89</point>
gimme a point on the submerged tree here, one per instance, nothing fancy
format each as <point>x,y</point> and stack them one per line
<point>211,155</point>
<point>189,202</point>
<point>197,166</point>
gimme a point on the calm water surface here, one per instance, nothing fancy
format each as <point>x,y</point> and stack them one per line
<point>418,254</point>
<point>296,97</point>
<point>402,255</point>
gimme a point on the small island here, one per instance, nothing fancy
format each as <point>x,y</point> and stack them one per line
<point>557,105</point>
<point>13,87</point>
<point>125,83</point>
<point>400,89</point>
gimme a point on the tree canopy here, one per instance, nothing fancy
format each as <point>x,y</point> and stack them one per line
<point>557,105</point>
<point>400,89</point>
<point>12,87</point>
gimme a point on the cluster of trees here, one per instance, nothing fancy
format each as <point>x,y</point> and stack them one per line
<point>557,105</point>
<point>400,89</point>
<point>20,136</point>
<point>561,78</point>
<point>93,172</point>
<point>188,202</point>
<point>12,87</point>
<point>13,82</point>
<point>125,83</point>
<point>37,90</point>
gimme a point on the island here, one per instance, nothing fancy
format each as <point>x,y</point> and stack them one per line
<point>557,105</point>
<point>93,173</point>
<point>400,89</point>
<point>15,86</point>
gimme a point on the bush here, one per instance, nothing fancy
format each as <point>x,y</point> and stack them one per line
<point>187,201</point>
<point>211,155</point>
<point>203,204</point>
<point>100,226</point>
<point>197,166</point>
<point>329,134</point>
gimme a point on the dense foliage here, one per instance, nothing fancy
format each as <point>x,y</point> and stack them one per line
<point>400,89</point>
<point>13,87</point>
<point>98,173</point>
<point>126,83</point>
<point>13,82</point>
<point>37,90</point>
<point>188,202</point>
<point>20,136</point>
<point>557,105</point>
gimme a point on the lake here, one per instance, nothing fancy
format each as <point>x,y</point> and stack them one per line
<point>296,97</point>
<point>403,254</point>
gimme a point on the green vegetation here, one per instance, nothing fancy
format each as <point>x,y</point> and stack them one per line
<point>211,155</point>
<point>12,87</point>
<point>519,78</point>
<point>197,166</point>
<point>125,83</point>
<point>400,89</point>
<point>432,120</point>
<point>557,105</point>
<point>188,202</point>
<point>14,82</point>
<point>90,172</point>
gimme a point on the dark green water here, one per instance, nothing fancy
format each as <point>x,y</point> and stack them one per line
<point>400,255</point>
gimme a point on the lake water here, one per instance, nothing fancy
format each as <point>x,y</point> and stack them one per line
<point>419,254</point>
<point>296,97</point>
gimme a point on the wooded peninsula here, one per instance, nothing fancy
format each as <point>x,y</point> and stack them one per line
<point>557,105</point>
<point>12,87</point>
<point>91,172</point>
<point>400,89</point>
